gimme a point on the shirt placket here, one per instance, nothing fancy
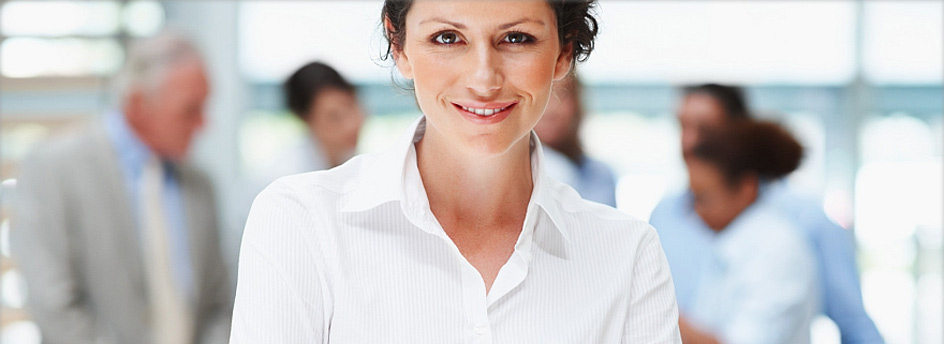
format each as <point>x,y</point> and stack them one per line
<point>473,289</point>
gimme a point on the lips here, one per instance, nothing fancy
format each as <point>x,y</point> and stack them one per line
<point>485,113</point>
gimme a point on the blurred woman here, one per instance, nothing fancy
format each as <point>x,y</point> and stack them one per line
<point>327,105</point>
<point>759,286</point>
<point>686,239</point>
<point>455,235</point>
<point>559,131</point>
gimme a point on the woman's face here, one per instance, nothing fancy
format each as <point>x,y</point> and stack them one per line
<point>716,202</point>
<point>697,113</point>
<point>336,120</point>
<point>482,70</point>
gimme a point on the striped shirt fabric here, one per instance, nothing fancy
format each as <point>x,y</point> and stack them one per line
<point>354,255</point>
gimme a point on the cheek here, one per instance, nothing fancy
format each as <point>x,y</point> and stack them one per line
<point>432,74</point>
<point>532,73</point>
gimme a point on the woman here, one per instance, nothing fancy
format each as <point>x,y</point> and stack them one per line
<point>455,235</point>
<point>327,105</point>
<point>559,131</point>
<point>759,285</point>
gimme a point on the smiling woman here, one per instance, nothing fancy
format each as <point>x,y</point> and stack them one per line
<point>455,234</point>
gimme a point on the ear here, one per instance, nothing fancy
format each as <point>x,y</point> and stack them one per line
<point>564,62</point>
<point>399,56</point>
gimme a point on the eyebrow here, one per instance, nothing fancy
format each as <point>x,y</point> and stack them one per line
<point>502,27</point>
<point>525,20</point>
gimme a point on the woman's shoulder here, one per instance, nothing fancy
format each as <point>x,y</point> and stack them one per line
<point>319,189</point>
<point>339,179</point>
<point>591,218</point>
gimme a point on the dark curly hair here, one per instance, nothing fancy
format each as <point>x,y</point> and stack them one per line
<point>576,23</point>
<point>749,146</point>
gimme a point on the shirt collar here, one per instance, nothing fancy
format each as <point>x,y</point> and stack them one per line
<point>393,176</point>
<point>132,152</point>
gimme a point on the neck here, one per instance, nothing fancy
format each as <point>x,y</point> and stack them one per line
<point>472,189</point>
<point>333,157</point>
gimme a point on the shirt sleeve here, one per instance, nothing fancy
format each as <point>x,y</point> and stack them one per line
<point>281,294</point>
<point>842,295</point>
<point>652,315</point>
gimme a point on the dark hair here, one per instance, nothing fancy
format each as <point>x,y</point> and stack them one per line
<point>749,146</point>
<point>730,97</point>
<point>575,24</point>
<point>307,82</point>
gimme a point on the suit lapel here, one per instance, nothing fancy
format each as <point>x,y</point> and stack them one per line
<point>126,244</point>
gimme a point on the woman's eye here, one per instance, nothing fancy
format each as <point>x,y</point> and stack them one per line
<point>518,37</point>
<point>446,38</point>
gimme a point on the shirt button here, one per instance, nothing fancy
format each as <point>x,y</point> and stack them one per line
<point>480,329</point>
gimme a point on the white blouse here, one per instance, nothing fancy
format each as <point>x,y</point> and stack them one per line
<point>354,255</point>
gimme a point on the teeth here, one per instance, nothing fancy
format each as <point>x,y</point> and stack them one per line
<point>483,112</point>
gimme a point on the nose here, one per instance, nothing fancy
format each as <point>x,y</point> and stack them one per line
<point>485,77</point>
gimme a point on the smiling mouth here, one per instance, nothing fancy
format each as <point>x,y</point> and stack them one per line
<point>483,112</point>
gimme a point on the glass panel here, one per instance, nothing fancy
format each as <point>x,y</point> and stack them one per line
<point>903,40</point>
<point>279,36</point>
<point>808,128</point>
<point>21,332</point>
<point>13,289</point>
<point>898,224</point>
<point>59,18</point>
<point>31,57</point>
<point>264,134</point>
<point>143,18</point>
<point>643,151</point>
<point>735,41</point>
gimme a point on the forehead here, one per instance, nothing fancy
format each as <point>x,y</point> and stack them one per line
<point>701,107</point>
<point>186,70</point>
<point>482,13</point>
<point>185,78</point>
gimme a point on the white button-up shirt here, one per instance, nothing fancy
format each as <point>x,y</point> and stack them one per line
<point>354,255</point>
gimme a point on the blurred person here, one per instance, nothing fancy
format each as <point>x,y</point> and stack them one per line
<point>327,104</point>
<point>559,131</point>
<point>708,106</point>
<point>115,233</point>
<point>758,281</point>
<point>455,234</point>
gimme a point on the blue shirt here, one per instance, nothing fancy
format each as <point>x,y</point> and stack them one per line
<point>758,282</point>
<point>593,179</point>
<point>687,241</point>
<point>132,156</point>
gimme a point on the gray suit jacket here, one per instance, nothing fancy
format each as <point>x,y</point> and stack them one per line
<point>73,236</point>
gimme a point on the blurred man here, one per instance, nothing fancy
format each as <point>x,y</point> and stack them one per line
<point>710,106</point>
<point>117,236</point>
<point>566,161</point>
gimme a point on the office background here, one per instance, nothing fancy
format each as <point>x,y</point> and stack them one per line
<point>860,82</point>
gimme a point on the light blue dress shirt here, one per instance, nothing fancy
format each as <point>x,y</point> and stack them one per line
<point>594,180</point>
<point>132,155</point>
<point>758,284</point>
<point>687,243</point>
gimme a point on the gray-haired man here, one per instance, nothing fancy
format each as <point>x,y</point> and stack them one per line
<point>117,236</point>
